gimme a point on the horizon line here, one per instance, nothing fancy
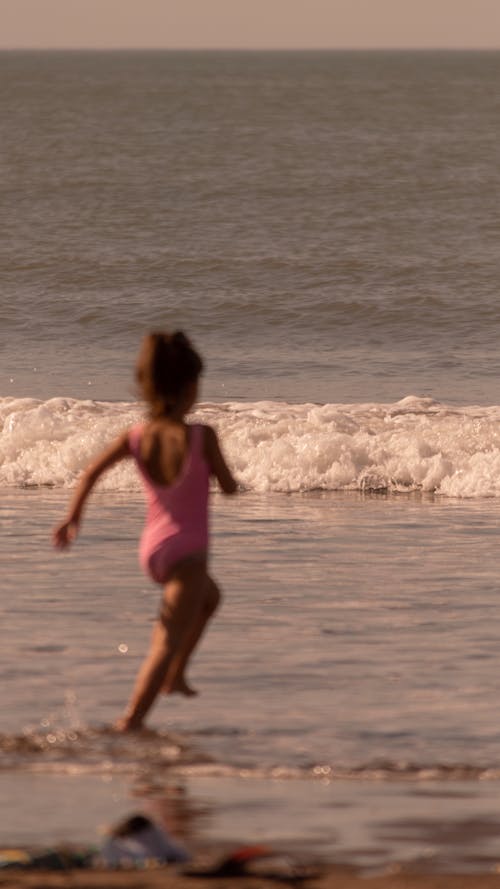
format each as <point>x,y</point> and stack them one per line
<point>249,49</point>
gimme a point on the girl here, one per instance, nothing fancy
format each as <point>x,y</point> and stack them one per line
<point>175,460</point>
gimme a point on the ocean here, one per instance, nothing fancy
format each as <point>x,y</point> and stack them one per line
<point>324,226</point>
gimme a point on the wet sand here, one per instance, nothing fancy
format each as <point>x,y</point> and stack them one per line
<point>164,878</point>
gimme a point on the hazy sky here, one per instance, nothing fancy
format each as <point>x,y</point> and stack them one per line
<point>250,23</point>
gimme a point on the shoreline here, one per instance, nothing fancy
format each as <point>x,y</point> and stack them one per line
<point>328,877</point>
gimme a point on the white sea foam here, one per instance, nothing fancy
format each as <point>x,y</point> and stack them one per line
<point>87,751</point>
<point>415,444</point>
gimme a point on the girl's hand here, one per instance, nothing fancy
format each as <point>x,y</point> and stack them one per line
<point>65,534</point>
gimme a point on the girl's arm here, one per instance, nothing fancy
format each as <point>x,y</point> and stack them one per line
<point>217,463</point>
<point>65,533</point>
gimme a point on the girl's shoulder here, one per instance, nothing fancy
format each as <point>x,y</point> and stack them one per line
<point>137,428</point>
<point>202,427</point>
<point>208,441</point>
<point>134,435</point>
<point>203,432</point>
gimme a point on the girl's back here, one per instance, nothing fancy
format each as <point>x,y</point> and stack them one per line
<point>164,448</point>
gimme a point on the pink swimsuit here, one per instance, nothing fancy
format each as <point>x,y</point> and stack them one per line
<point>177,514</point>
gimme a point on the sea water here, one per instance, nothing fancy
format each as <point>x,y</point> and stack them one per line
<point>324,226</point>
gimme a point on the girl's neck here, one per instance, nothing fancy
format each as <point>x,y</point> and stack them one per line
<point>176,414</point>
<point>173,417</point>
<point>177,411</point>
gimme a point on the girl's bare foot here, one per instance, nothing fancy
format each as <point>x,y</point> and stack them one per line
<point>126,724</point>
<point>179,687</point>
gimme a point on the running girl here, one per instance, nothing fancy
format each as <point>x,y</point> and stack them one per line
<point>175,460</point>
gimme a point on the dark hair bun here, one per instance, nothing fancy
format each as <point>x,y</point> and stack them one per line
<point>167,364</point>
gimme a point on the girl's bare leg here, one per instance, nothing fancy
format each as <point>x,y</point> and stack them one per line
<point>175,681</point>
<point>149,680</point>
<point>183,601</point>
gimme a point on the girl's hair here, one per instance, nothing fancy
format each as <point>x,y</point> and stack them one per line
<point>167,363</point>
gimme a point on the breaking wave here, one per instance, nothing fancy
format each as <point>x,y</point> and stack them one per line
<point>415,444</point>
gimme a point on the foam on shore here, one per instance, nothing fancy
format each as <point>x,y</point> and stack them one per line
<point>415,444</point>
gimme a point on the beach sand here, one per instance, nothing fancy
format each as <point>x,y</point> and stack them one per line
<point>164,878</point>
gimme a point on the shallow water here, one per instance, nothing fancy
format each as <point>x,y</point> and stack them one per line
<point>354,666</point>
<point>370,626</point>
<point>429,826</point>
